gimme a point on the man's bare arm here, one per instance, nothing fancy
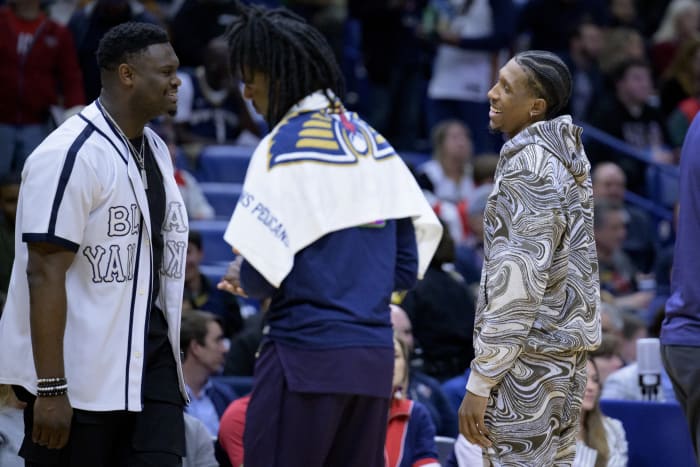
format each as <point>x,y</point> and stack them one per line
<point>46,274</point>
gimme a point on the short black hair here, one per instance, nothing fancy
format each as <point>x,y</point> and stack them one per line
<point>621,69</point>
<point>601,209</point>
<point>126,40</point>
<point>549,78</point>
<point>194,327</point>
<point>292,54</point>
<point>10,178</point>
<point>195,238</point>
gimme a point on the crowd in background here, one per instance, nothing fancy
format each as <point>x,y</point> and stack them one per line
<point>419,70</point>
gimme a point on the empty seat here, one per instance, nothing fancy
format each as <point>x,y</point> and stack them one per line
<point>223,163</point>
<point>222,197</point>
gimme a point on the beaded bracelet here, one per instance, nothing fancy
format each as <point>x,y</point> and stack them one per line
<point>52,392</point>
<point>51,382</point>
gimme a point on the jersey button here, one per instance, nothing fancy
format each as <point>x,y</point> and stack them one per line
<point>142,292</point>
<point>137,354</point>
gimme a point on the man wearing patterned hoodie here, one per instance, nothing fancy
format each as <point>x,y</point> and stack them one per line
<point>538,307</point>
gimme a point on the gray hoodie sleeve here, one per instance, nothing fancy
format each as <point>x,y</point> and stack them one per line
<point>526,222</point>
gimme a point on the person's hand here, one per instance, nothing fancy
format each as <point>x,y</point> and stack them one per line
<point>471,420</point>
<point>52,419</point>
<point>231,282</point>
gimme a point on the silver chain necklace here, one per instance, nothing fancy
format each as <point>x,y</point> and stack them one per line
<point>138,155</point>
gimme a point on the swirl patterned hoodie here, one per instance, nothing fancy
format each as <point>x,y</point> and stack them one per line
<point>539,290</point>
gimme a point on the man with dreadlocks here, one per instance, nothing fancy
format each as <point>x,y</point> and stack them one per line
<point>329,223</point>
<point>538,310</point>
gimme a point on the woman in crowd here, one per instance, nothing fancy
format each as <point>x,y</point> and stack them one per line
<point>410,436</point>
<point>601,440</point>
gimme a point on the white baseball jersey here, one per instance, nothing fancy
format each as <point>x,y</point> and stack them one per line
<point>82,189</point>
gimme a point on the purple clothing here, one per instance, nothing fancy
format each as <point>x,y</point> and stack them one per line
<point>289,428</point>
<point>363,371</point>
<point>681,325</point>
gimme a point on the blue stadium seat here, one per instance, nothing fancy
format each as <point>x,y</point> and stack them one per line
<point>216,250</point>
<point>663,184</point>
<point>445,446</point>
<point>222,197</point>
<point>242,385</point>
<point>657,433</point>
<point>415,159</point>
<point>223,163</point>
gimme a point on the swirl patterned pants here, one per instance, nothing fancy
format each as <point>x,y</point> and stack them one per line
<point>533,414</point>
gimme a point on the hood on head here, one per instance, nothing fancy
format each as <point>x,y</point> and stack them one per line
<point>561,138</point>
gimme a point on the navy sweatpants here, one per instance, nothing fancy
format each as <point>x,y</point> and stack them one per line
<point>290,429</point>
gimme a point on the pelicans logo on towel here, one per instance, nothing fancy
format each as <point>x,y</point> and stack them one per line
<point>327,137</point>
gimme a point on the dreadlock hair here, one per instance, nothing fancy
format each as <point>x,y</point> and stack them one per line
<point>293,55</point>
<point>126,40</point>
<point>548,77</point>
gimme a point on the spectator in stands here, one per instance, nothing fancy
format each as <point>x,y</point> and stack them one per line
<point>681,21</point>
<point>680,90</point>
<point>196,203</point>
<point>682,78</point>
<point>448,178</point>
<point>195,24</point>
<point>629,117</point>
<point>680,340</point>
<point>611,320</point>
<point>618,275</point>
<point>202,295</point>
<point>198,444</point>
<point>231,430</point>
<point>441,309</point>
<point>210,108</point>
<point>327,16</point>
<point>11,427</point>
<point>397,60</point>
<point>89,23</point>
<point>39,69</point>
<point>620,45</point>
<point>607,357</point>
<point>422,387</point>
<point>240,361</point>
<point>204,346</point>
<point>651,13</point>
<point>609,185</point>
<point>633,329</point>
<point>484,169</point>
<point>624,14</point>
<point>474,38</point>
<point>469,255</point>
<point>601,440</point>
<point>549,23</point>
<point>450,172</point>
<point>326,252</point>
<point>585,44</point>
<point>9,193</point>
<point>410,436</point>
